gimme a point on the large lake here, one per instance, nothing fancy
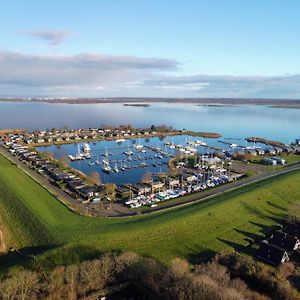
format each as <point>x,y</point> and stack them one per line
<point>231,121</point>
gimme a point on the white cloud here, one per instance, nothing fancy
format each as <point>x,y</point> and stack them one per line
<point>87,70</point>
<point>93,74</point>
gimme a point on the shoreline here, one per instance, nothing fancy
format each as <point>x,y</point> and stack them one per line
<point>143,102</point>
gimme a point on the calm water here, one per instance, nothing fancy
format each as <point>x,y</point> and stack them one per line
<point>235,122</point>
<point>117,156</point>
<point>232,121</point>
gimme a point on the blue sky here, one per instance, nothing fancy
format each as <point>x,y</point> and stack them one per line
<point>211,48</point>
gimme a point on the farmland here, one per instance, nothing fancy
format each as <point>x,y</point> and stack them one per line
<point>34,218</point>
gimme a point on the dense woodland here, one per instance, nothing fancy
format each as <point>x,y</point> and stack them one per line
<point>129,276</point>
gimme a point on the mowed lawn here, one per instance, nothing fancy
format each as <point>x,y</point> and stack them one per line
<point>220,224</point>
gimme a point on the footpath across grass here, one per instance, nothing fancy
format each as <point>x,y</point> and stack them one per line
<point>221,224</point>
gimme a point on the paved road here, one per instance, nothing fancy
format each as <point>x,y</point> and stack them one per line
<point>118,210</point>
<point>115,209</point>
<point>41,180</point>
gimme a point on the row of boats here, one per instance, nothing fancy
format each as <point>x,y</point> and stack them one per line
<point>188,148</point>
<point>154,198</point>
<point>106,168</point>
<point>125,164</point>
<point>85,154</point>
<point>83,151</point>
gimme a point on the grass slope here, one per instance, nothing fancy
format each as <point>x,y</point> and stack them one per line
<point>220,224</point>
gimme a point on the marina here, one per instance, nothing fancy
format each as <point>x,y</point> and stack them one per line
<point>143,170</point>
<point>132,159</point>
<point>114,161</point>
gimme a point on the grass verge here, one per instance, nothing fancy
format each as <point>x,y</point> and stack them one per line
<point>220,224</point>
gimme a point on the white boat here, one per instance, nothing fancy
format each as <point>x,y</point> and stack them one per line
<point>80,156</point>
<point>173,195</point>
<point>138,146</point>
<point>87,155</point>
<point>191,149</point>
<point>106,154</point>
<point>116,169</point>
<point>120,140</point>
<point>135,205</point>
<point>106,169</point>
<point>162,195</point>
<point>131,201</point>
<point>86,148</point>
<point>128,153</point>
<point>201,143</point>
<point>71,157</point>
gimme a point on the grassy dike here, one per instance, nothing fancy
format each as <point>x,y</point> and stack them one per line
<point>34,218</point>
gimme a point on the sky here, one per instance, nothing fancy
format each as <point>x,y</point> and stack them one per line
<point>158,48</point>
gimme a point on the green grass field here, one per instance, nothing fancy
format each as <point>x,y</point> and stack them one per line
<point>221,224</point>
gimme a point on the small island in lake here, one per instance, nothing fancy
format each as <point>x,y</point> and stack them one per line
<point>137,104</point>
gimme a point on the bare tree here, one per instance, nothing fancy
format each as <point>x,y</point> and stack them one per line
<point>63,160</point>
<point>27,284</point>
<point>54,284</point>
<point>89,273</point>
<point>95,178</point>
<point>71,278</point>
<point>109,188</point>
<point>48,155</point>
<point>9,289</point>
<point>147,177</point>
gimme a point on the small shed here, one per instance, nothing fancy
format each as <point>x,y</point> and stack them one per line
<point>141,189</point>
<point>260,151</point>
<point>155,186</point>
<point>278,149</point>
<point>270,151</point>
<point>268,161</point>
<point>251,152</point>
<point>279,160</point>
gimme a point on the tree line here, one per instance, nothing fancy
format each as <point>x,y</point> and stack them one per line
<point>128,275</point>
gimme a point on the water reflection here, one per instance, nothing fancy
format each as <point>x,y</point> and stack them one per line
<point>230,121</point>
